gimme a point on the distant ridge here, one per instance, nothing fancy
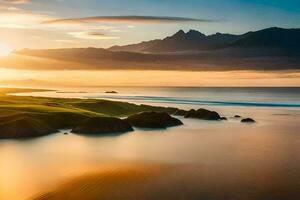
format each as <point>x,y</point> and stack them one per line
<point>181,41</point>
<point>288,39</point>
<point>268,49</point>
<point>272,37</point>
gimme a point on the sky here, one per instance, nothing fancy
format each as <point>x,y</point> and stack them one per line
<point>78,78</point>
<point>104,23</point>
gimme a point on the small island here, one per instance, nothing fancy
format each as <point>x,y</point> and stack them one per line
<point>200,114</point>
<point>111,92</point>
<point>102,125</point>
<point>248,120</point>
<point>153,120</point>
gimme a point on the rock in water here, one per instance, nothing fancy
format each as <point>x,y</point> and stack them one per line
<point>153,120</point>
<point>203,114</point>
<point>248,120</point>
<point>24,127</point>
<point>180,112</point>
<point>111,92</point>
<point>103,125</point>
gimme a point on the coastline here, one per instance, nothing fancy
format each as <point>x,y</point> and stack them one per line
<point>28,117</point>
<point>208,155</point>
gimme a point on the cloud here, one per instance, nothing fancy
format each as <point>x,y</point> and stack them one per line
<point>127,19</point>
<point>21,19</point>
<point>13,26</point>
<point>6,5</point>
<point>15,1</point>
<point>116,31</point>
<point>90,35</point>
<point>18,18</point>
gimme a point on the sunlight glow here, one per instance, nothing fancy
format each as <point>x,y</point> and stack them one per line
<point>4,50</point>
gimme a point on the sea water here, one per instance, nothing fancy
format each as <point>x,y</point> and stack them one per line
<point>258,160</point>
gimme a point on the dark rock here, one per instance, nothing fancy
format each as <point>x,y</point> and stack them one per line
<point>153,120</point>
<point>203,114</point>
<point>24,127</point>
<point>248,120</point>
<point>66,133</point>
<point>237,116</point>
<point>103,125</point>
<point>111,92</point>
<point>180,112</point>
<point>223,118</point>
<point>190,114</point>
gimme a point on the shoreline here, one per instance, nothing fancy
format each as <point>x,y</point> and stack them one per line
<point>27,116</point>
<point>134,95</point>
<point>66,110</point>
<point>217,153</point>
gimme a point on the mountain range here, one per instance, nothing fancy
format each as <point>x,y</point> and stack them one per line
<point>279,38</point>
<point>268,49</point>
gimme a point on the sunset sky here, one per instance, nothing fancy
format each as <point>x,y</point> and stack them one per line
<point>103,23</point>
<point>43,24</point>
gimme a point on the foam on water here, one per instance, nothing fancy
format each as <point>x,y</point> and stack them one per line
<point>178,100</point>
<point>245,97</point>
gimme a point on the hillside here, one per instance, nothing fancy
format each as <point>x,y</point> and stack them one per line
<point>23,117</point>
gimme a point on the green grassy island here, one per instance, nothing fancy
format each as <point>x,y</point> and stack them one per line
<point>23,117</point>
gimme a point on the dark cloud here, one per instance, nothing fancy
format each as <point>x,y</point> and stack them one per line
<point>129,19</point>
<point>92,35</point>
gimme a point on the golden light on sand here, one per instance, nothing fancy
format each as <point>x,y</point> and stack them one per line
<point>4,50</point>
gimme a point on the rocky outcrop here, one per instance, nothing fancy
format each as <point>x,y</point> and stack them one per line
<point>248,120</point>
<point>102,125</point>
<point>24,127</point>
<point>180,112</point>
<point>111,92</point>
<point>203,114</point>
<point>153,120</point>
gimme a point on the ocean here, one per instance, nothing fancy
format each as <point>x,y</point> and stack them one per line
<point>220,160</point>
<point>208,96</point>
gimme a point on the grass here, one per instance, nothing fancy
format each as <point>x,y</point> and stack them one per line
<point>60,113</point>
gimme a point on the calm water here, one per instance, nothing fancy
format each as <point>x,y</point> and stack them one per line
<point>264,97</point>
<point>257,160</point>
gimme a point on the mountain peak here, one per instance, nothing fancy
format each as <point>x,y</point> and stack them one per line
<point>179,33</point>
<point>274,28</point>
<point>195,33</point>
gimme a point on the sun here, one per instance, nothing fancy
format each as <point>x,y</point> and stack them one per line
<point>4,50</point>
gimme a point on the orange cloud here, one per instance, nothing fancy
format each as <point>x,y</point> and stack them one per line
<point>15,1</point>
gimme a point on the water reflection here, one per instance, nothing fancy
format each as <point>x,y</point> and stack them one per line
<point>257,159</point>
